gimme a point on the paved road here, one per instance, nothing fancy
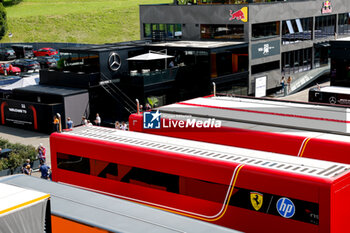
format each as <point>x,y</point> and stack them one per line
<point>302,95</point>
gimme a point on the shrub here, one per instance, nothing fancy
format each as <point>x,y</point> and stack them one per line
<point>3,21</point>
<point>18,154</point>
<point>4,164</point>
<point>3,143</point>
<point>14,160</point>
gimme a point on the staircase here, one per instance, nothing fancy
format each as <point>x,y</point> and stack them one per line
<point>309,77</point>
<point>117,94</point>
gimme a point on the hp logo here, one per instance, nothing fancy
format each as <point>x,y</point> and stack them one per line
<point>285,207</point>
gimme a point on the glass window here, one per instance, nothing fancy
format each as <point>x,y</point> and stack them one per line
<point>324,26</point>
<point>296,61</point>
<point>322,51</point>
<point>274,65</point>
<point>263,30</point>
<point>344,24</point>
<point>296,30</point>
<point>147,30</point>
<point>143,177</point>
<point>163,31</point>
<point>73,163</point>
<point>170,30</point>
<point>80,62</point>
<point>234,32</point>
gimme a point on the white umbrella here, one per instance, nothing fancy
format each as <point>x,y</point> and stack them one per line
<point>149,57</point>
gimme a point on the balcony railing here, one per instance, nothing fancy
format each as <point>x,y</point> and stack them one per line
<point>147,77</point>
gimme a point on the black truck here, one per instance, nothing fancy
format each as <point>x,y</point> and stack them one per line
<point>23,51</point>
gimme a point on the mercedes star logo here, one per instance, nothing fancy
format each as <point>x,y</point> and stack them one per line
<point>114,61</point>
<point>332,100</point>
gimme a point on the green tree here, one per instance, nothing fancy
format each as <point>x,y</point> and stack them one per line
<point>3,21</point>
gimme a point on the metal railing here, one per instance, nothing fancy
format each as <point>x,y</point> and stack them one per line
<point>153,77</point>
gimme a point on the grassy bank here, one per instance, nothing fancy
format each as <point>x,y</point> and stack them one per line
<point>83,21</point>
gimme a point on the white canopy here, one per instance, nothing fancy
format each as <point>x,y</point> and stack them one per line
<point>23,82</point>
<point>149,56</point>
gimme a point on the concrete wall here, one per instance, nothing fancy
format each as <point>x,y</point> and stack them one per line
<point>219,14</point>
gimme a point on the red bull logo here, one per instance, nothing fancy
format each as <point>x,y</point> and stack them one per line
<point>241,14</point>
<point>327,7</point>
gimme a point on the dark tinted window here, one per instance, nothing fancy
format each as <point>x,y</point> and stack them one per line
<point>211,31</point>
<point>325,26</point>
<point>73,163</point>
<point>265,67</point>
<point>160,179</point>
<point>263,30</point>
<point>143,177</point>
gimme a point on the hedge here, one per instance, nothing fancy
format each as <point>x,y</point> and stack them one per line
<point>3,21</point>
<point>18,155</point>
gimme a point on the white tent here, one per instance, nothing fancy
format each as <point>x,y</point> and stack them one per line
<point>149,56</point>
<point>23,82</point>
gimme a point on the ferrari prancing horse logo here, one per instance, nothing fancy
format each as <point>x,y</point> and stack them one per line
<point>256,199</point>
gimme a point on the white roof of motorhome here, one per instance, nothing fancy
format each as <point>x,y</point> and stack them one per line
<point>266,112</point>
<point>343,39</point>
<point>110,213</point>
<point>13,198</point>
<point>269,160</point>
<point>338,90</point>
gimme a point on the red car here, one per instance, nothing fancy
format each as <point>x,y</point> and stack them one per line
<point>6,69</point>
<point>45,52</point>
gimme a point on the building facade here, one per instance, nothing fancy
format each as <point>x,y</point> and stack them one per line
<point>285,38</point>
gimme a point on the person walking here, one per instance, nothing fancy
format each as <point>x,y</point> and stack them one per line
<point>69,123</point>
<point>117,125</point>
<point>41,153</point>
<point>56,123</point>
<point>124,126</point>
<point>289,81</point>
<point>282,82</point>
<point>84,120</point>
<point>98,120</point>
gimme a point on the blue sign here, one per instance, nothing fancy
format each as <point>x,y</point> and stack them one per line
<point>285,207</point>
<point>151,120</point>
